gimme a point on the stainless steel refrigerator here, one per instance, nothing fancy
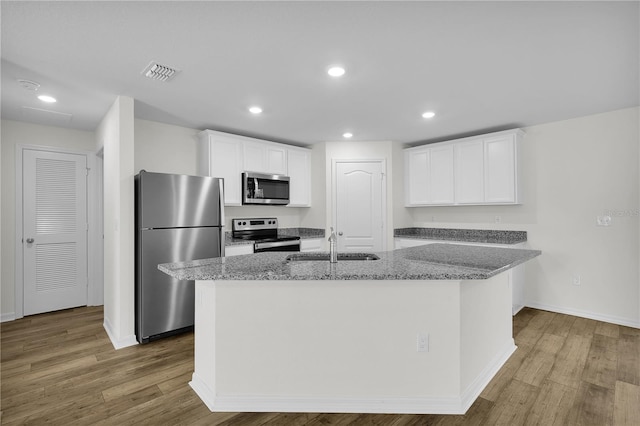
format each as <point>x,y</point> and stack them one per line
<point>177,218</point>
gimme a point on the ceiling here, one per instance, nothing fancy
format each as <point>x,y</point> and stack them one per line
<point>480,66</point>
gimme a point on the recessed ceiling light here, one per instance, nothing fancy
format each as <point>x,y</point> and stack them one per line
<point>255,110</point>
<point>429,114</point>
<point>48,99</point>
<point>336,71</point>
<point>347,135</point>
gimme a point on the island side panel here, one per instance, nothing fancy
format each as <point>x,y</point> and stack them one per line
<point>486,332</point>
<point>204,376</point>
<point>341,346</point>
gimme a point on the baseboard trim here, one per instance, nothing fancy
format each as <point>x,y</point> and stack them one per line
<point>11,316</point>
<point>296,404</point>
<point>118,343</point>
<point>378,405</point>
<point>203,391</point>
<point>476,387</point>
<point>585,314</point>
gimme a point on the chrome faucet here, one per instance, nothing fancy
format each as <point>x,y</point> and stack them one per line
<point>333,251</point>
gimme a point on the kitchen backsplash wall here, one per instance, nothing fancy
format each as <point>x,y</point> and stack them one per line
<point>288,217</point>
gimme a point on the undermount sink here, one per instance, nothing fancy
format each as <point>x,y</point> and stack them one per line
<point>304,257</point>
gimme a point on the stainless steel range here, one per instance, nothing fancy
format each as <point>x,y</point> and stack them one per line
<point>265,234</point>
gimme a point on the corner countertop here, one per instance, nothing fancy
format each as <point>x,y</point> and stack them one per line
<point>429,262</point>
<point>488,236</point>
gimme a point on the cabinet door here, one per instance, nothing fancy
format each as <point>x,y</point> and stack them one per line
<point>299,170</point>
<point>500,169</point>
<point>440,182</point>
<point>263,157</point>
<point>224,160</point>
<point>416,177</point>
<point>254,157</point>
<point>469,172</point>
<point>276,159</point>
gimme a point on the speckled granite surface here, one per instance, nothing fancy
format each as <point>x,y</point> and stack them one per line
<point>303,233</point>
<point>463,235</point>
<point>429,262</point>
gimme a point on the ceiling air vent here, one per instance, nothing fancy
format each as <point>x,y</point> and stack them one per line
<point>159,72</point>
<point>29,85</point>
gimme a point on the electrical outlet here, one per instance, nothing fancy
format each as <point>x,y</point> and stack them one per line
<point>498,219</point>
<point>422,342</point>
<point>575,279</point>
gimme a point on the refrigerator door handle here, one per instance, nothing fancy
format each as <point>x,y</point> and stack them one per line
<point>222,220</point>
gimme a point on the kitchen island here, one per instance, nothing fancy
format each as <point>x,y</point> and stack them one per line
<point>421,330</point>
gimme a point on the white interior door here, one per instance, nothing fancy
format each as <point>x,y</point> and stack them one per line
<point>360,206</point>
<point>54,231</point>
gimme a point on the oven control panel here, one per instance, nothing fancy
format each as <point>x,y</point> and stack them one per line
<point>254,224</point>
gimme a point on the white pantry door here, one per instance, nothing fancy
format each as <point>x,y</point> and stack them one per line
<point>54,242</point>
<point>360,206</point>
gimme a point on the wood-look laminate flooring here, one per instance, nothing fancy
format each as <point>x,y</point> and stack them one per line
<point>60,368</point>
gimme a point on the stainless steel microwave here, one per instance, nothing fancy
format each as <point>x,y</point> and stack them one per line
<point>260,188</point>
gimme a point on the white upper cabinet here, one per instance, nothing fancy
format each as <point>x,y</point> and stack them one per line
<point>265,157</point>
<point>431,168</point>
<point>469,172</point>
<point>500,178</point>
<point>299,171</point>
<point>227,156</point>
<point>416,161</point>
<point>475,170</point>
<point>440,185</point>
<point>220,155</point>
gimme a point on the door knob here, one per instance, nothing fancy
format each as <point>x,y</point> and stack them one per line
<point>339,233</point>
<point>30,240</point>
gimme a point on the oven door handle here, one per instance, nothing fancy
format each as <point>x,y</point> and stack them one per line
<point>260,246</point>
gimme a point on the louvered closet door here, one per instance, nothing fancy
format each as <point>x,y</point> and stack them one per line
<point>55,231</point>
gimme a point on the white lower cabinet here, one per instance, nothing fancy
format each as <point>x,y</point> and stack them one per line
<point>238,250</point>
<point>312,244</point>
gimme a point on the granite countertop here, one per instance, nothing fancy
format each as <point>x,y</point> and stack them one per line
<point>429,262</point>
<point>487,236</point>
<point>303,233</point>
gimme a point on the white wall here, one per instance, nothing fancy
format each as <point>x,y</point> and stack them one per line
<point>573,170</point>
<point>164,148</point>
<point>116,135</point>
<point>14,133</point>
